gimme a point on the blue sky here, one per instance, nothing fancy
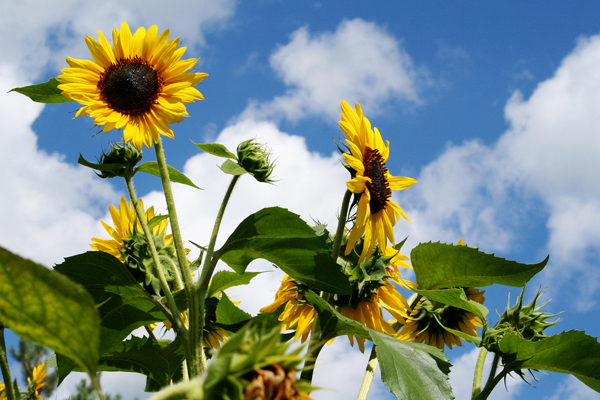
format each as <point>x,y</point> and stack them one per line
<point>492,107</point>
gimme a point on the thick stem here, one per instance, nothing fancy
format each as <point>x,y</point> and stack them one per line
<point>210,264</point>
<point>8,384</point>
<point>477,378</point>
<point>365,386</point>
<point>339,233</point>
<point>96,384</point>
<point>491,384</point>
<point>196,361</point>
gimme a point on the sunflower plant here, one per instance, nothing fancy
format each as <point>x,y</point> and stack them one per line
<point>351,281</point>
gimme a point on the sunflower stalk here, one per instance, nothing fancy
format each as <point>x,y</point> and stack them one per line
<point>96,385</point>
<point>339,233</point>
<point>10,395</point>
<point>209,267</point>
<point>196,360</point>
<point>477,378</point>
<point>373,363</point>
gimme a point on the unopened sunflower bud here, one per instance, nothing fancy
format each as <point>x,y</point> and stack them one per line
<point>124,156</point>
<point>256,159</point>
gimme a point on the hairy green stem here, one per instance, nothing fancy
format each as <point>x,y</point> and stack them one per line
<point>491,384</point>
<point>8,384</point>
<point>196,360</point>
<point>339,233</point>
<point>210,264</point>
<point>374,362</point>
<point>477,378</point>
<point>96,384</point>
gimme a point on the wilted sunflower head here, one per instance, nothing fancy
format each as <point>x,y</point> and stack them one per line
<point>139,84</point>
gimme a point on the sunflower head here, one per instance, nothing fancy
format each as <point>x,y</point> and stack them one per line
<point>365,156</point>
<point>428,319</point>
<point>256,159</point>
<point>525,321</point>
<point>123,156</point>
<point>37,381</point>
<point>139,83</point>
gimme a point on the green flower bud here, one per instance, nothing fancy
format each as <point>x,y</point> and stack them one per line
<point>122,159</point>
<point>256,159</point>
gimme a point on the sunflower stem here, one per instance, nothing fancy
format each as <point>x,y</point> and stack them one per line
<point>96,384</point>
<point>491,384</point>
<point>367,381</point>
<point>477,378</point>
<point>210,264</point>
<point>196,360</point>
<point>339,233</point>
<point>8,388</point>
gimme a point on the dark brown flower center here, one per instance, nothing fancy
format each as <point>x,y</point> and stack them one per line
<point>379,188</point>
<point>130,86</point>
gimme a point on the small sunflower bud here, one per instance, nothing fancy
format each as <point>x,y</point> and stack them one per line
<point>123,157</point>
<point>256,159</point>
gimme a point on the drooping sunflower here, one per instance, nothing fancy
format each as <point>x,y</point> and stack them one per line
<point>139,84</point>
<point>367,155</point>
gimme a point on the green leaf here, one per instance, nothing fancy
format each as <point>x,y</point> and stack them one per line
<point>232,168</point>
<point>439,266</point>
<point>47,92</point>
<point>281,237</point>
<point>216,150</point>
<point>48,308</point>
<point>456,298</point>
<point>409,370</point>
<point>412,370</point>
<point>151,167</point>
<point>229,314</point>
<point>223,280</point>
<point>123,304</point>
<point>572,352</point>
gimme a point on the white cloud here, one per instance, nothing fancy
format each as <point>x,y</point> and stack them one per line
<point>572,388</point>
<point>359,62</point>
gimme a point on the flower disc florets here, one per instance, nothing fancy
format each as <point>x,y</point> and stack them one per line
<point>126,156</point>
<point>256,159</point>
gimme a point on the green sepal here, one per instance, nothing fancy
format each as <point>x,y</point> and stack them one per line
<point>439,265</point>
<point>283,238</point>
<point>46,307</point>
<point>46,92</point>
<point>116,169</point>
<point>455,297</point>
<point>151,167</point>
<point>409,370</point>
<point>216,150</point>
<point>232,168</point>
<point>572,352</point>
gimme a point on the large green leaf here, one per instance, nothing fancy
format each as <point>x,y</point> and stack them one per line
<point>281,237</point>
<point>409,370</point>
<point>439,266</point>
<point>572,352</point>
<point>456,298</point>
<point>151,167</point>
<point>47,92</point>
<point>216,150</point>
<point>223,280</point>
<point>48,308</point>
<point>123,304</point>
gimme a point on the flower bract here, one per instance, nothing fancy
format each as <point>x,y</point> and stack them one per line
<point>139,84</point>
<point>366,157</point>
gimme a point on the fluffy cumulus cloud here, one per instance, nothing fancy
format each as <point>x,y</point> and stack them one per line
<point>548,159</point>
<point>359,62</point>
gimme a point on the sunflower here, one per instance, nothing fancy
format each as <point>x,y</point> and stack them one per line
<point>139,84</point>
<point>371,182</point>
<point>300,315</point>
<point>425,322</point>
<point>126,223</point>
<point>39,374</point>
<point>2,390</point>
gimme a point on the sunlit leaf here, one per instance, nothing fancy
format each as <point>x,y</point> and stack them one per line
<point>216,150</point>
<point>281,237</point>
<point>151,167</point>
<point>439,265</point>
<point>223,280</point>
<point>46,92</point>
